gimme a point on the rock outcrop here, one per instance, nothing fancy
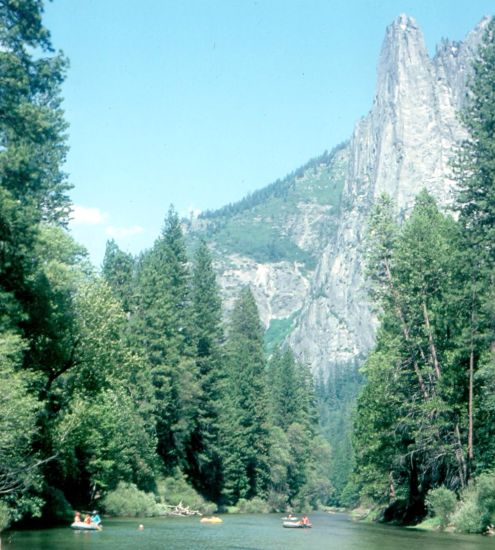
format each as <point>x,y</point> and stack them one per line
<point>403,145</point>
<point>273,245</point>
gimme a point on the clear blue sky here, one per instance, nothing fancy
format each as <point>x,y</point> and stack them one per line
<point>197,103</point>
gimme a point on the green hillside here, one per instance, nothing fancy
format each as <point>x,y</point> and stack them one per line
<point>261,225</point>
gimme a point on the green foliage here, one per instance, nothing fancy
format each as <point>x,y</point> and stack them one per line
<point>278,189</point>
<point>299,459</point>
<point>255,505</point>
<point>441,503</point>
<point>252,226</point>
<point>204,462</point>
<point>106,438</point>
<point>277,331</point>
<point>118,270</point>
<point>262,243</point>
<point>18,410</point>
<point>468,519</point>
<point>162,328</point>
<point>104,432</point>
<point>409,416</point>
<point>317,489</point>
<point>33,135</point>
<point>56,508</point>
<point>474,164</point>
<point>477,510</point>
<point>4,516</point>
<point>336,397</point>
<point>128,501</point>
<point>245,436</point>
<point>175,490</point>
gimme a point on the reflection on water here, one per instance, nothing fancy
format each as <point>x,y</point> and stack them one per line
<point>243,532</point>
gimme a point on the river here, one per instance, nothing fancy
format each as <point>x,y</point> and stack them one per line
<point>246,532</point>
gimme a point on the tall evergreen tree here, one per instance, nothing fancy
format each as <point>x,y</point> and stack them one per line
<point>162,327</point>
<point>204,464</point>
<point>475,172</point>
<point>118,270</point>
<point>32,186</point>
<point>410,423</point>
<point>245,432</point>
<point>284,389</point>
<point>32,127</point>
<point>475,167</point>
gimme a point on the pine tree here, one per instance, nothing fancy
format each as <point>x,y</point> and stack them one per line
<point>409,425</point>
<point>162,328</point>
<point>475,172</point>
<point>245,431</point>
<point>475,167</point>
<point>118,269</point>
<point>32,186</point>
<point>284,389</point>
<point>204,464</point>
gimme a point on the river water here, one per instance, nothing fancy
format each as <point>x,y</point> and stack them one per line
<point>246,532</point>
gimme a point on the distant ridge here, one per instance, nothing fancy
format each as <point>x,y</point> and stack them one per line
<point>276,189</point>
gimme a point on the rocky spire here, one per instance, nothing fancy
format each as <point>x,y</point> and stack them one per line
<point>404,144</point>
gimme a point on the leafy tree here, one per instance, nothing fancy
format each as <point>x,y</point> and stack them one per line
<point>34,304</point>
<point>105,430</point>
<point>19,465</point>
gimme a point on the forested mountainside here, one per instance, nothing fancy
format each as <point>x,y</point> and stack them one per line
<point>272,240</point>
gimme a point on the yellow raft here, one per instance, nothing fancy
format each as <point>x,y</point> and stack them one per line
<point>212,519</point>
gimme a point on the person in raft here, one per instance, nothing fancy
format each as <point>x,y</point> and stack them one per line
<point>87,519</point>
<point>95,518</point>
<point>77,517</point>
<point>305,520</point>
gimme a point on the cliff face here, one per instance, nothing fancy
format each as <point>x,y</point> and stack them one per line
<point>403,145</point>
<point>272,240</point>
<point>298,243</point>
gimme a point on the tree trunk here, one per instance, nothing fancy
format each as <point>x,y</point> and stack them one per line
<point>433,349</point>
<point>463,473</point>
<point>470,405</point>
<point>405,332</point>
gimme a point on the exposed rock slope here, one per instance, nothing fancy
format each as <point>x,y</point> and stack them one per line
<point>298,243</point>
<point>403,145</point>
<point>273,239</point>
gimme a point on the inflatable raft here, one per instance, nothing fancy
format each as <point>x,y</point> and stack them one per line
<point>81,526</point>
<point>296,525</point>
<point>213,519</point>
